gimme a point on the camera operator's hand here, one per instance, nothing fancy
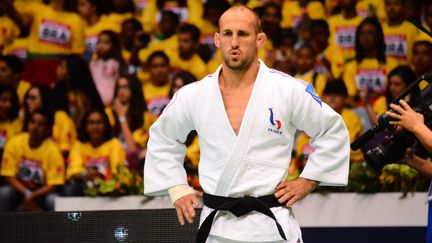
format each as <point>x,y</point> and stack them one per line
<point>413,122</point>
<point>407,117</point>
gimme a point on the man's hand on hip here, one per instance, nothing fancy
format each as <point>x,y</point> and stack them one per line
<point>292,191</point>
<point>185,207</point>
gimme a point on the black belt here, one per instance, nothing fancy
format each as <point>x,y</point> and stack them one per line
<point>238,207</point>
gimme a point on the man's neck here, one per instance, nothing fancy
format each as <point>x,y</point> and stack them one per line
<point>57,5</point>
<point>237,79</point>
<point>35,143</point>
<point>92,20</point>
<point>350,13</point>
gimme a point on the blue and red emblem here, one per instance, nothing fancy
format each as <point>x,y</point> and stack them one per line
<point>274,122</point>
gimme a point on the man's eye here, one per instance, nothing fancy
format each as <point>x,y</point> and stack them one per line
<point>227,34</point>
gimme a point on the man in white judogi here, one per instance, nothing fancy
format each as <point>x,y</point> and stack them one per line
<point>246,115</point>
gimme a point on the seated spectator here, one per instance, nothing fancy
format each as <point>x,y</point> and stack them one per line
<point>10,24</point>
<point>305,63</point>
<point>284,58</point>
<point>179,80</point>
<point>11,70</point>
<point>118,12</point>
<point>156,89</point>
<point>187,58</point>
<point>75,87</point>
<point>108,65</point>
<point>370,68</point>
<point>10,122</point>
<point>33,166</point>
<point>422,59</point>
<point>129,28</point>
<point>97,154</point>
<point>294,11</point>
<point>398,80</point>
<point>130,119</point>
<point>63,129</point>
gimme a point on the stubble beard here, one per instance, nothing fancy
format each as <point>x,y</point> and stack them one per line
<point>237,64</point>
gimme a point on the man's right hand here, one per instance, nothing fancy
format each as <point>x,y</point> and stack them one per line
<point>185,207</point>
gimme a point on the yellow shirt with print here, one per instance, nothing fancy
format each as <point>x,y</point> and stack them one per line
<point>45,162</point>
<point>342,34</point>
<point>368,73</point>
<point>156,97</point>
<point>106,158</point>
<point>64,131</point>
<point>292,13</point>
<point>334,55</point>
<point>319,83</point>
<point>91,33</point>
<point>53,32</point>
<point>399,41</point>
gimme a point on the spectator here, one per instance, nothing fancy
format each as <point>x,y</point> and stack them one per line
<point>399,34</point>
<point>370,68</point>
<point>76,88</point>
<point>108,65</point>
<point>10,122</point>
<point>305,63</point>
<point>179,80</point>
<point>119,11</point>
<point>285,53</point>
<point>130,119</point>
<point>97,154</point>
<point>33,167</point>
<point>186,11</point>
<point>427,16</point>
<point>63,129</point>
<point>156,89</point>
<point>165,39</point>
<point>10,24</point>
<point>186,58</point>
<point>11,70</point>
<point>54,33</point>
<point>330,61</point>
<point>343,28</point>
<point>129,29</point>
<point>91,11</point>
<point>398,80</point>
<point>422,59</point>
<point>294,11</point>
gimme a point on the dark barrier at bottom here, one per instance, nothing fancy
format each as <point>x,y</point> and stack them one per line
<point>161,225</point>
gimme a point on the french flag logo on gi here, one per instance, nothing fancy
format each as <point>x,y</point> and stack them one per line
<point>274,122</point>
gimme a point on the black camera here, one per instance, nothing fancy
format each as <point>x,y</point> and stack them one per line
<point>393,144</point>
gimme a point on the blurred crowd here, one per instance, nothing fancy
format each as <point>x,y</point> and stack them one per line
<point>81,81</point>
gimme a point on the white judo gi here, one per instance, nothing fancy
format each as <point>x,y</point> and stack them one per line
<point>255,161</point>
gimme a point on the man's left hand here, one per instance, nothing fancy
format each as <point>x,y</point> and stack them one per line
<point>292,191</point>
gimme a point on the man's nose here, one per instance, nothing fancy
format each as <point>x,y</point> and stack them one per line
<point>234,42</point>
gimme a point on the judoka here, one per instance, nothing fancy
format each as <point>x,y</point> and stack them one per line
<point>246,115</point>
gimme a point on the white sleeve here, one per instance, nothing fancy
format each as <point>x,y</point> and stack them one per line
<point>329,163</point>
<point>166,151</point>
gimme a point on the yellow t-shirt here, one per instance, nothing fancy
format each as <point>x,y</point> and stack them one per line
<point>156,97</point>
<point>334,55</point>
<point>53,32</point>
<point>320,81</point>
<point>422,36</point>
<point>399,41</point>
<point>354,126</point>
<point>105,159</point>
<point>34,167</point>
<point>368,73</point>
<point>91,34</point>
<point>64,131</point>
<point>8,129</point>
<point>193,152</point>
<point>140,135</point>
<point>292,13</point>
<point>23,87</point>
<point>342,33</point>
<point>380,105</point>
<point>195,65</point>
<point>17,48</point>
<point>150,16</point>
<point>367,8</point>
<point>8,31</point>
<point>169,45</point>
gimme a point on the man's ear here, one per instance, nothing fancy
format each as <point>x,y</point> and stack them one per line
<point>261,39</point>
<point>216,39</point>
